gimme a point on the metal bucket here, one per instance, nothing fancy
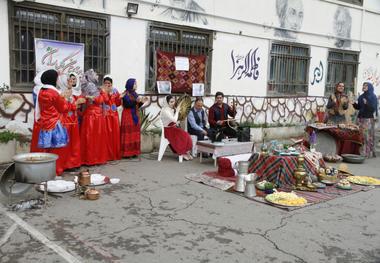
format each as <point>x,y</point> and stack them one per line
<point>243,167</point>
<point>34,167</point>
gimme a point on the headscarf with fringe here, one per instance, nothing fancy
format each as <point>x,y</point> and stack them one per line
<point>131,97</point>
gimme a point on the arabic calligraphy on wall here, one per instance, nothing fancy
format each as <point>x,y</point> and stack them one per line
<point>318,73</point>
<point>245,66</point>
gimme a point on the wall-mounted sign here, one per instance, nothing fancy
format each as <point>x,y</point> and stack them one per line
<point>198,89</point>
<point>182,63</point>
<point>164,87</point>
<point>64,57</point>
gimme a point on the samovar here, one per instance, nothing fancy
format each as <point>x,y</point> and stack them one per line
<point>300,174</point>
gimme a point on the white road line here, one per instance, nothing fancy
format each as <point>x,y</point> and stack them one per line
<point>40,237</point>
<point>10,231</point>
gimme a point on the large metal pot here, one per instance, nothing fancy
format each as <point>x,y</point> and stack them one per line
<point>7,182</point>
<point>34,167</point>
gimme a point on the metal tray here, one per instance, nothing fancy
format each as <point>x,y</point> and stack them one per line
<point>353,158</point>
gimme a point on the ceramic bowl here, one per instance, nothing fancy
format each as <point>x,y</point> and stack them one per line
<point>114,180</point>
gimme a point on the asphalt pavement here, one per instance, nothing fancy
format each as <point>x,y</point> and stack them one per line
<point>156,215</point>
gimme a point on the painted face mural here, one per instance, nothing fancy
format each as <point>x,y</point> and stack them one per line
<point>177,12</point>
<point>342,27</point>
<point>290,15</point>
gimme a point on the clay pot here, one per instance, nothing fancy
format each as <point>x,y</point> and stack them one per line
<point>84,178</point>
<point>91,194</point>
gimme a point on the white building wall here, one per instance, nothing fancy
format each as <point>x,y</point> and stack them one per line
<point>240,26</point>
<point>246,23</point>
<point>239,65</point>
<point>318,71</point>
<point>128,51</point>
<point>4,44</point>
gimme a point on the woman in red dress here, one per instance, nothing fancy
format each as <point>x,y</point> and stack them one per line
<point>37,87</point>
<point>50,106</point>
<point>112,101</point>
<point>93,127</point>
<point>180,141</point>
<point>72,156</point>
<point>130,121</point>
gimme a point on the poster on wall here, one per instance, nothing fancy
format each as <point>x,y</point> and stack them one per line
<point>164,87</point>
<point>181,63</point>
<point>64,57</point>
<point>198,89</point>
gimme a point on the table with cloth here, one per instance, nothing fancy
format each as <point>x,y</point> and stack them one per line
<point>346,140</point>
<point>280,169</point>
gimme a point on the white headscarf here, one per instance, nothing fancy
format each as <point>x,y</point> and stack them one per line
<point>38,84</point>
<point>62,82</point>
<point>77,89</point>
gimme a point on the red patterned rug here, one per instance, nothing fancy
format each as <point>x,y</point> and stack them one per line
<point>181,80</point>
<point>322,195</point>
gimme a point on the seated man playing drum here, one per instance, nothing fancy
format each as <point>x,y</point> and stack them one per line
<point>196,120</point>
<point>218,118</point>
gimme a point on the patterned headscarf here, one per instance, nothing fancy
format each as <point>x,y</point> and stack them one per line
<point>370,96</point>
<point>89,89</point>
<point>91,76</point>
<point>89,83</point>
<point>131,97</point>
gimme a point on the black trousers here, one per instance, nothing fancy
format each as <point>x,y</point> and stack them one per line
<point>200,135</point>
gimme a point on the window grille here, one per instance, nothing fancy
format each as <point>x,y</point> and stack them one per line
<point>289,66</point>
<point>342,67</point>
<point>28,21</point>
<point>354,2</point>
<point>180,40</point>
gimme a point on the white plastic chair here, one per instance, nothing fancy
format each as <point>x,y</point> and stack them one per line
<point>164,144</point>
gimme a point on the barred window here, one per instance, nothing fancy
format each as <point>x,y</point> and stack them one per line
<point>289,65</point>
<point>180,40</point>
<point>342,67</point>
<point>354,2</point>
<point>29,21</point>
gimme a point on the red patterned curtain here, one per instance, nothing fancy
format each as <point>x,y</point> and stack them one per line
<point>181,80</point>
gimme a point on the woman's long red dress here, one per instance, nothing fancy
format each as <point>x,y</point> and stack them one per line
<point>130,132</point>
<point>72,156</point>
<point>180,141</point>
<point>93,133</point>
<point>112,101</point>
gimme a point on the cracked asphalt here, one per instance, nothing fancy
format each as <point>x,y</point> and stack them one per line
<point>156,215</point>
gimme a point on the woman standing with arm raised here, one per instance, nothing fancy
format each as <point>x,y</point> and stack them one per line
<point>130,120</point>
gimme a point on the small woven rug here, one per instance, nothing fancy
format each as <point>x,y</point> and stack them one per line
<point>226,184</point>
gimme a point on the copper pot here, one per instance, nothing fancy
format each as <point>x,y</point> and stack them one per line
<point>84,178</point>
<point>91,194</point>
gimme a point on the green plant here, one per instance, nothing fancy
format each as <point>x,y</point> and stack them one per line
<point>6,103</point>
<point>6,136</point>
<point>146,122</point>
<point>156,131</point>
